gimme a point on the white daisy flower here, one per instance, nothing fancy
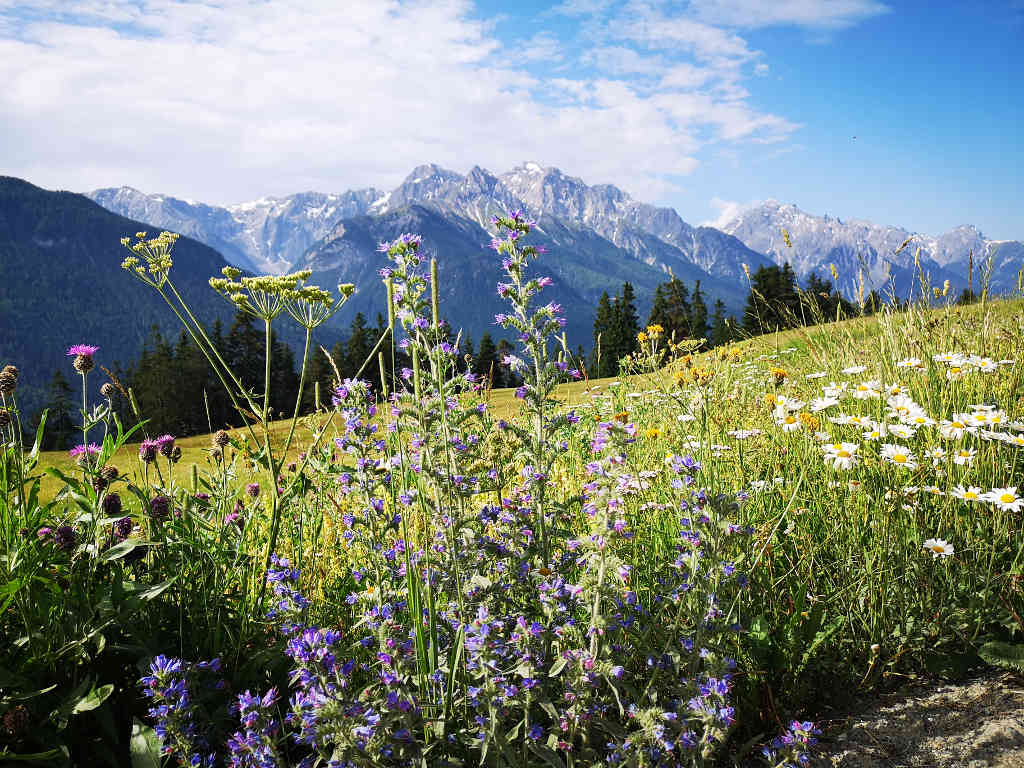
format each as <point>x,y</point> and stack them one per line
<point>841,455</point>
<point>970,493</point>
<point>938,548</point>
<point>911,362</point>
<point>934,490</point>
<point>816,375</point>
<point>823,437</point>
<point>898,455</point>
<point>955,372</point>
<point>964,456</point>
<point>854,419</point>
<point>953,358</point>
<point>876,432</point>
<point>896,389</point>
<point>1005,498</point>
<point>853,370</point>
<point>835,390</point>
<point>955,429</point>
<point>787,421</point>
<point>897,405</point>
<point>918,418</point>
<point>867,389</point>
<point>906,431</point>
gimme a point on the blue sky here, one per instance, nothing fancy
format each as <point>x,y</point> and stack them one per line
<point>706,106</point>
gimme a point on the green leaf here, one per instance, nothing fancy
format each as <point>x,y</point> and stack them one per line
<point>118,551</point>
<point>145,592</point>
<point>1003,655</point>
<point>144,746</point>
<point>92,699</point>
<point>557,667</point>
<point>549,756</point>
<point>31,757</point>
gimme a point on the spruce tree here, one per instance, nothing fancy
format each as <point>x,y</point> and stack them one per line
<point>245,343</point>
<point>504,376</point>
<point>602,325</point>
<point>466,349</point>
<point>671,309</point>
<point>60,425</point>
<point>720,332</point>
<point>318,371</point>
<point>624,327</point>
<point>698,314</point>
<point>358,346</point>
<point>485,364</point>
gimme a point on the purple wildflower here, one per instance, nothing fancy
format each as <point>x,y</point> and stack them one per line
<point>82,350</point>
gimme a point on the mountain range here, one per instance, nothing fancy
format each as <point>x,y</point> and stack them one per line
<point>579,223</point>
<point>61,283</point>
<point>60,254</point>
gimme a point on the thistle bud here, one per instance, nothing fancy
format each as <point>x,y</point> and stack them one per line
<point>160,507</point>
<point>108,390</point>
<point>112,505</point>
<point>221,439</point>
<point>8,379</point>
<point>5,418</point>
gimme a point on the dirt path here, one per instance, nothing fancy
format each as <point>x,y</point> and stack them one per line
<point>975,724</point>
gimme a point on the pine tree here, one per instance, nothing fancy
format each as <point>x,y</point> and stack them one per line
<point>671,309</point>
<point>222,412</point>
<point>284,381</point>
<point>623,329</point>
<point>60,426</point>
<point>602,326</point>
<point>190,381</point>
<point>358,346</point>
<point>698,314</point>
<point>504,376</point>
<point>466,350</point>
<point>244,346</point>
<point>720,331</point>
<point>485,364</point>
<point>318,372</point>
<point>151,384</point>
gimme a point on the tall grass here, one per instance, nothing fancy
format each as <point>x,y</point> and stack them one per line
<point>662,569</point>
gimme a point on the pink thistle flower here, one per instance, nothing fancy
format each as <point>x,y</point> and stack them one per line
<point>85,350</point>
<point>91,449</point>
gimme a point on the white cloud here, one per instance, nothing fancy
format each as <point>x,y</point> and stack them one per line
<point>231,100</point>
<point>727,211</point>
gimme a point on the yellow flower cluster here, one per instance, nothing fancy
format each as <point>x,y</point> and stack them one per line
<point>155,255</point>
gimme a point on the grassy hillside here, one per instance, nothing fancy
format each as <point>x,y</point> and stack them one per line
<point>825,348</point>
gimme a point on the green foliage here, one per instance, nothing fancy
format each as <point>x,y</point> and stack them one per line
<point>1003,655</point>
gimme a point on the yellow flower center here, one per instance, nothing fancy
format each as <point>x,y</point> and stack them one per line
<point>938,548</point>
<point>970,495</point>
<point>843,454</point>
<point>1007,498</point>
<point>899,458</point>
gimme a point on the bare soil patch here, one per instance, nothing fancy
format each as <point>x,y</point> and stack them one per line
<point>975,724</point>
